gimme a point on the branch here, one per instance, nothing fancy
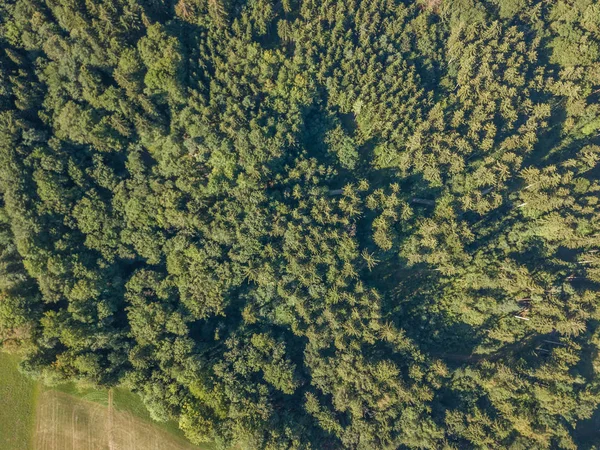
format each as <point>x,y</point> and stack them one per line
<point>422,201</point>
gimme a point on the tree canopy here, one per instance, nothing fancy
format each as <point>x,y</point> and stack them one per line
<point>336,224</point>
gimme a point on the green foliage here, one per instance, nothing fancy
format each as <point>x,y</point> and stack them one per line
<point>335,224</point>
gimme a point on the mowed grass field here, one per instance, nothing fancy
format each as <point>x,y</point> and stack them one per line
<point>67,423</point>
<point>124,401</point>
<point>71,417</point>
<point>18,399</point>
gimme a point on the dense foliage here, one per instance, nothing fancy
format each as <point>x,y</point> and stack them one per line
<point>309,224</point>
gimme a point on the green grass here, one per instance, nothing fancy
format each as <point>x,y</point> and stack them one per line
<point>18,403</point>
<point>123,400</point>
<point>18,399</point>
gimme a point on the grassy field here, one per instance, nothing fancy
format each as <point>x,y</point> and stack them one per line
<point>68,423</point>
<point>18,398</point>
<point>123,401</point>
<point>33,417</point>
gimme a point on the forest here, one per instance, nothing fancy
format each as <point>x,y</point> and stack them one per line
<point>309,224</point>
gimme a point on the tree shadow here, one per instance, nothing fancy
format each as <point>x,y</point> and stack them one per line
<point>410,303</point>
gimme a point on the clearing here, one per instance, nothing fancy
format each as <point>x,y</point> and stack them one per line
<point>67,423</point>
<point>70,417</point>
<point>18,396</point>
